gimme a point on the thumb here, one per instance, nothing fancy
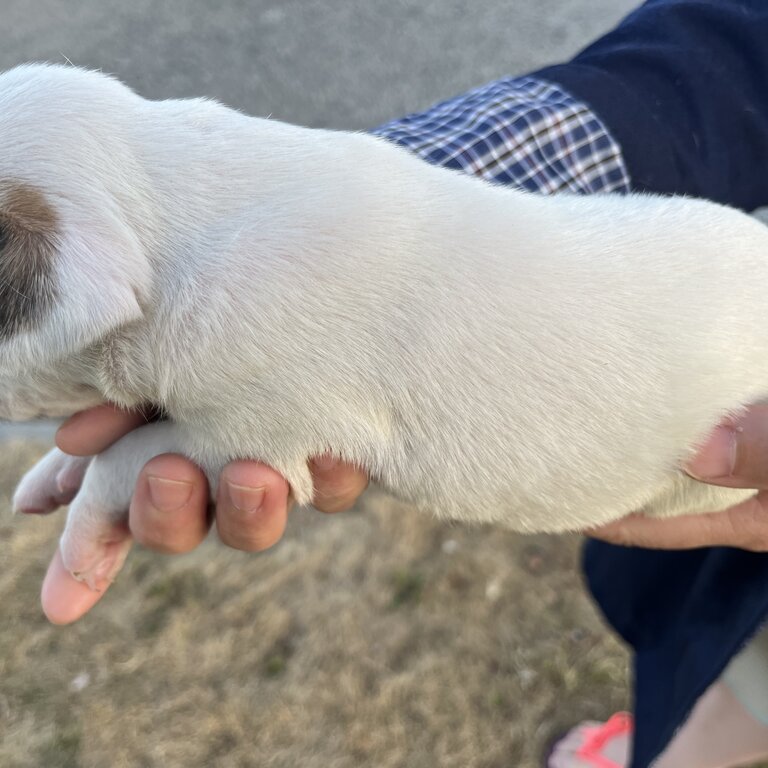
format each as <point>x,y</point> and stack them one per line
<point>736,453</point>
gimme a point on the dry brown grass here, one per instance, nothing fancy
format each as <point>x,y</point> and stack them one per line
<point>377,638</point>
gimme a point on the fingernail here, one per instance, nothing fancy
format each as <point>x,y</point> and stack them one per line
<point>244,498</point>
<point>717,457</point>
<point>168,495</point>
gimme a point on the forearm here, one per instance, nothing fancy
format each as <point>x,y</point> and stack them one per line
<point>683,87</point>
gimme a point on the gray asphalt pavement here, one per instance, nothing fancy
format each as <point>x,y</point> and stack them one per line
<point>336,63</point>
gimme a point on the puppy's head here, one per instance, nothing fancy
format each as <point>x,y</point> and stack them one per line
<point>73,206</point>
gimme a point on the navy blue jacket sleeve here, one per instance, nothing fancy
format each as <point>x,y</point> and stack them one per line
<point>683,87</point>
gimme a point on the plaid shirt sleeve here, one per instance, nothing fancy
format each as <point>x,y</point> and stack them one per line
<point>517,130</point>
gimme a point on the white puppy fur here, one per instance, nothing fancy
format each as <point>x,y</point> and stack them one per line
<point>280,292</point>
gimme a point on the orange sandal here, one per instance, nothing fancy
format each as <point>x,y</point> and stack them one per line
<point>589,750</point>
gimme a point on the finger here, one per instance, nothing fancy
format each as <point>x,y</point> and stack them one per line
<point>744,526</point>
<point>251,506</point>
<point>736,453</point>
<point>169,509</point>
<point>90,432</point>
<point>65,599</point>
<point>337,485</point>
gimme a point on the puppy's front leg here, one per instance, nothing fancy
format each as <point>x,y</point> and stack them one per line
<point>96,539</point>
<point>51,483</point>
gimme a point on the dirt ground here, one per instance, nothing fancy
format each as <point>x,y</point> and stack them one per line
<point>377,638</point>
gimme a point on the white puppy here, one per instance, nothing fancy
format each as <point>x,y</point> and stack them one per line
<point>280,292</point>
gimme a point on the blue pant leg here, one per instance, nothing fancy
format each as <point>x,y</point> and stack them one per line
<point>685,614</point>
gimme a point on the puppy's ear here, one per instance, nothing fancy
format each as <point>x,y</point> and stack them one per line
<point>69,275</point>
<point>28,228</point>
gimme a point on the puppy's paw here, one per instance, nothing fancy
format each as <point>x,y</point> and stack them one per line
<point>95,542</point>
<point>96,538</point>
<point>51,483</point>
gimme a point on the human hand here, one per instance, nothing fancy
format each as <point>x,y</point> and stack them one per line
<point>734,456</point>
<point>169,510</point>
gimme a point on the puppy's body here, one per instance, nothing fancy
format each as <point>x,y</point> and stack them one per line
<point>467,352</point>
<point>281,292</point>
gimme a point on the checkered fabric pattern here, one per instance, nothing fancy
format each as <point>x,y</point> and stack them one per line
<point>521,131</point>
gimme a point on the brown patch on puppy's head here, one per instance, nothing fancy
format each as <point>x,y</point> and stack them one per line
<point>27,248</point>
